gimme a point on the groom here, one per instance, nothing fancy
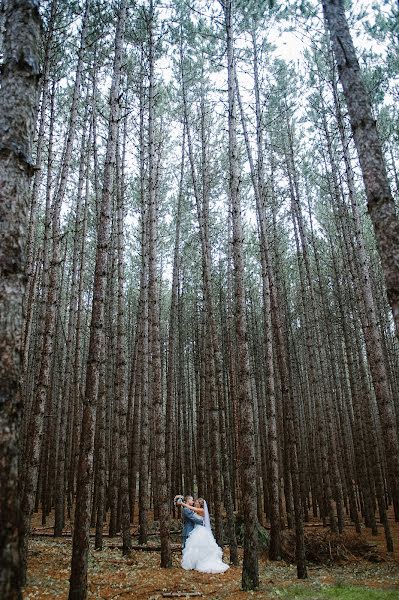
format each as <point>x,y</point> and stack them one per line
<point>190,519</point>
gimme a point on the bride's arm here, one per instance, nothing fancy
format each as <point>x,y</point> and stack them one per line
<point>200,511</point>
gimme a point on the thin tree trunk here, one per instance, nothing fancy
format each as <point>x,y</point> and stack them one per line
<point>66,396</point>
<point>250,571</point>
<point>259,190</point>
<point>80,544</point>
<point>121,390</point>
<point>153,312</point>
<point>171,375</point>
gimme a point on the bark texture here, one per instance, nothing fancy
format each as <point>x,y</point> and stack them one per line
<point>250,570</point>
<point>379,196</point>
<point>80,547</point>
<point>18,104</point>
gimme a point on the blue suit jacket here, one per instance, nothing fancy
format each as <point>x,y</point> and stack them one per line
<point>191,519</point>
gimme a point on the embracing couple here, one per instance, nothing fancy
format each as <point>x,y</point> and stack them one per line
<point>200,550</point>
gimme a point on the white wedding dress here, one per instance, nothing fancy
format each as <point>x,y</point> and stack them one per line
<point>201,551</point>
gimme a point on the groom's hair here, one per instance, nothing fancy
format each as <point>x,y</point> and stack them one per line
<point>187,496</point>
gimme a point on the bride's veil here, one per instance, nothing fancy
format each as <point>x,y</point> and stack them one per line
<point>207,521</point>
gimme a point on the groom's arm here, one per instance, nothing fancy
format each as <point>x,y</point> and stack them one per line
<point>191,516</point>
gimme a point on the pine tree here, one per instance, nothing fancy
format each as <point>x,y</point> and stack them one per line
<point>18,105</point>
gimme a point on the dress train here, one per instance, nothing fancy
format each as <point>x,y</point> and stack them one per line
<point>202,553</point>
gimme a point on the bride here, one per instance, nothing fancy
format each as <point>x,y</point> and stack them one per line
<point>201,551</point>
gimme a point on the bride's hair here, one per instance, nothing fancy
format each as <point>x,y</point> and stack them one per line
<point>201,502</point>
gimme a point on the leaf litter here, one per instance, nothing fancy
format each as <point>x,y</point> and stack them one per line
<point>113,576</point>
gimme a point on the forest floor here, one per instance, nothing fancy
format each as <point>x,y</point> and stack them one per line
<point>113,576</point>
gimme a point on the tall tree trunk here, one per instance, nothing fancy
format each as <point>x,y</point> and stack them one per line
<point>171,375</point>
<point>80,544</point>
<point>30,246</point>
<point>153,312</point>
<point>66,396</point>
<point>250,570</point>
<point>35,430</point>
<point>259,190</point>
<point>144,386</point>
<point>380,202</point>
<point>121,388</point>
<point>18,104</point>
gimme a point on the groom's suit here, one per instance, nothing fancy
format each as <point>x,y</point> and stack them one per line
<point>190,520</point>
